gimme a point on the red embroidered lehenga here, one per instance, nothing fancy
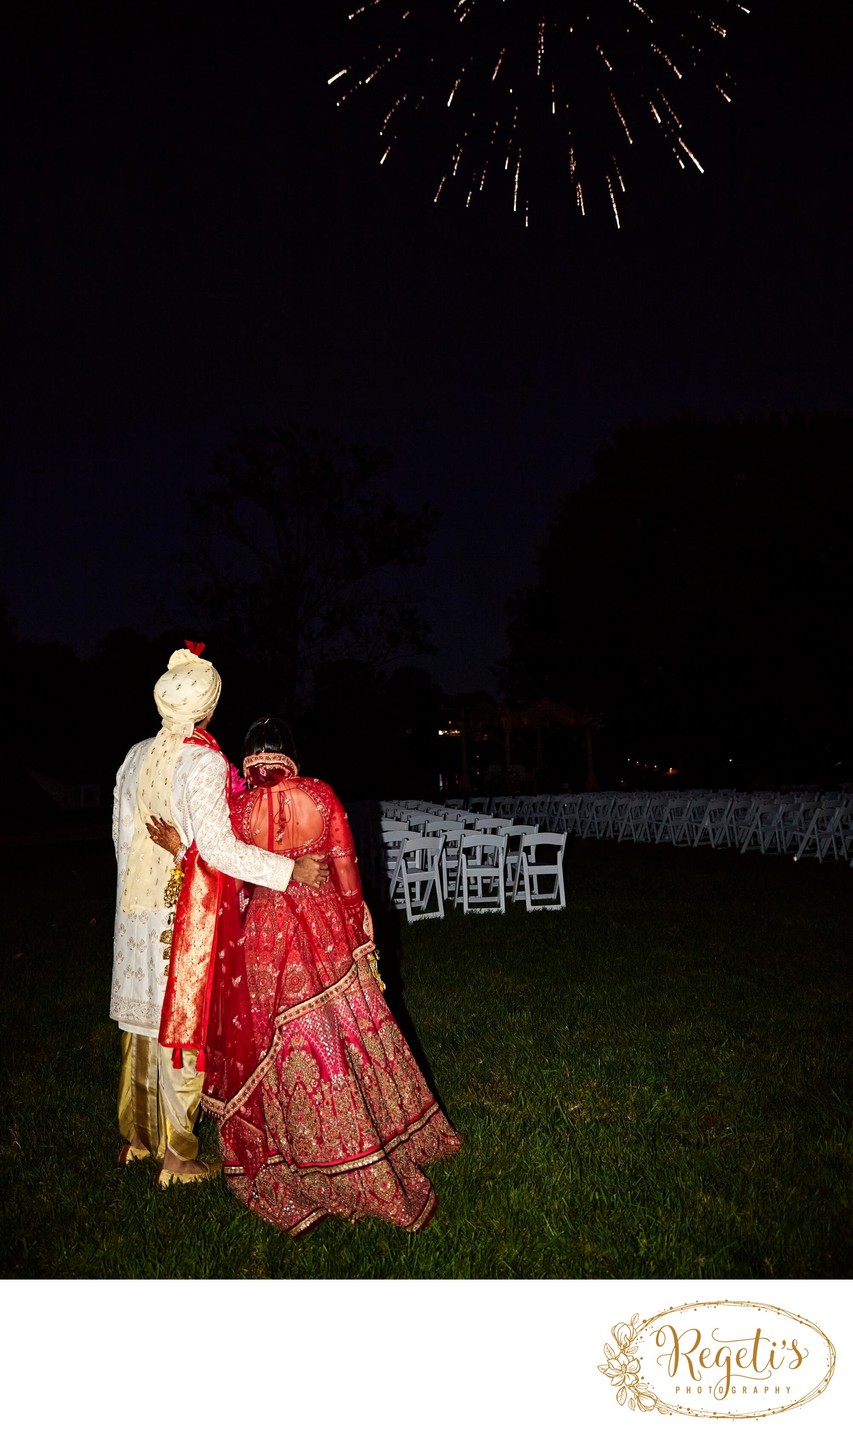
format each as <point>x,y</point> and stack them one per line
<point>322,1108</point>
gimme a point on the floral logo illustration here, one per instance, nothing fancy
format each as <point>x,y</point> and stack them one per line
<point>723,1359</point>
<point>623,1369</point>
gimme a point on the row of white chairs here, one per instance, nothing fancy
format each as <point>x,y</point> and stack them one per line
<point>475,870</point>
<point>428,856</point>
<point>803,825</point>
<point>493,851</point>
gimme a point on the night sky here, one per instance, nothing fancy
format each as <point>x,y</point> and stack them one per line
<point>197,239</point>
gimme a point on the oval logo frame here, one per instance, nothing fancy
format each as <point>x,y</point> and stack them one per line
<point>723,1360</point>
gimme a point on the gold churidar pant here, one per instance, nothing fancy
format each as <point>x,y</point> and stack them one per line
<point>158,1104</point>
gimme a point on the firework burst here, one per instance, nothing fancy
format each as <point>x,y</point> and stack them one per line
<point>527,96</point>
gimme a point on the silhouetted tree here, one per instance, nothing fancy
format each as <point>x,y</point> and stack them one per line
<point>695,594</point>
<point>300,542</point>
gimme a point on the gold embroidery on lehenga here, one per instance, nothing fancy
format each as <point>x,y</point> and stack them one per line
<point>305,1125</point>
<point>300,1067</point>
<point>375,1050</point>
<point>223,1111</point>
<point>342,1114</point>
<point>295,980</point>
<point>377,1155</point>
<point>306,1222</point>
<point>317,1186</point>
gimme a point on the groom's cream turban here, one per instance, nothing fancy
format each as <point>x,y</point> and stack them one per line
<point>185,695</point>
<point>187,692</point>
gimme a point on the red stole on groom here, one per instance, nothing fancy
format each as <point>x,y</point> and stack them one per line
<point>201,917</point>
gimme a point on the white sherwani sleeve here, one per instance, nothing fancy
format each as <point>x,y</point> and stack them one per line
<point>209,823</point>
<point>116,796</point>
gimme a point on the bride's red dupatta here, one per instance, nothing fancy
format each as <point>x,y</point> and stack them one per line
<point>207,918</point>
<point>240,1049</point>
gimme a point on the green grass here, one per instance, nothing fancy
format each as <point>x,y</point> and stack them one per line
<point>655,1083</point>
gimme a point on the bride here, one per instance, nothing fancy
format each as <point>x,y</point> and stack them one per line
<point>322,1109</point>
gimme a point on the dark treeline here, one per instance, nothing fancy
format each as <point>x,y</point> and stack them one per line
<point>693,598</point>
<point>696,595</point>
<point>72,720</point>
<point>294,585</point>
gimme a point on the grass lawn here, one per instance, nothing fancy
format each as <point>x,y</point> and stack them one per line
<point>652,1084</point>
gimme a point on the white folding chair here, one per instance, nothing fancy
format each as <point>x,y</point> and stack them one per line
<point>763,826</point>
<point>844,832</point>
<point>450,829</point>
<point>618,815</point>
<point>792,821</point>
<point>392,844</point>
<point>393,825</point>
<point>532,808</point>
<point>391,835</point>
<point>825,832</point>
<point>671,818</point>
<point>565,820</point>
<point>416,883</point>
<point>632,818</point>
<point>595,819</point>
<point>513,835</point>
<point>686,824</point>
<point>418,819</point>
<point>740,817</point>
<point>585,809</point>
<point>713,828</point>
<point>488,823</point>
<point>541,870</point>
<point>469,819</point>
<point>480,885</point>
<point>641,817</point>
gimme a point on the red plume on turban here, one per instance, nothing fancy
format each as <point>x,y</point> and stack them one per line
<point>194,648</point>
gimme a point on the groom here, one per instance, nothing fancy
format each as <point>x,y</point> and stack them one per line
<point>182,776</point>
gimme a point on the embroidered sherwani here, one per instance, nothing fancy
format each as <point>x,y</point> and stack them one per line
<point>157,1108</point>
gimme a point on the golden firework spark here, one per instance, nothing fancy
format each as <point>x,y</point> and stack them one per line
<point>508,74</point>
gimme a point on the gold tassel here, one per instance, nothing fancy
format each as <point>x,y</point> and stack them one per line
<point>170,897</point>
<point>373,960</point>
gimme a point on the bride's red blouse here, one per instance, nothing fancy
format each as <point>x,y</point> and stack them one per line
<point>297,816</point>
